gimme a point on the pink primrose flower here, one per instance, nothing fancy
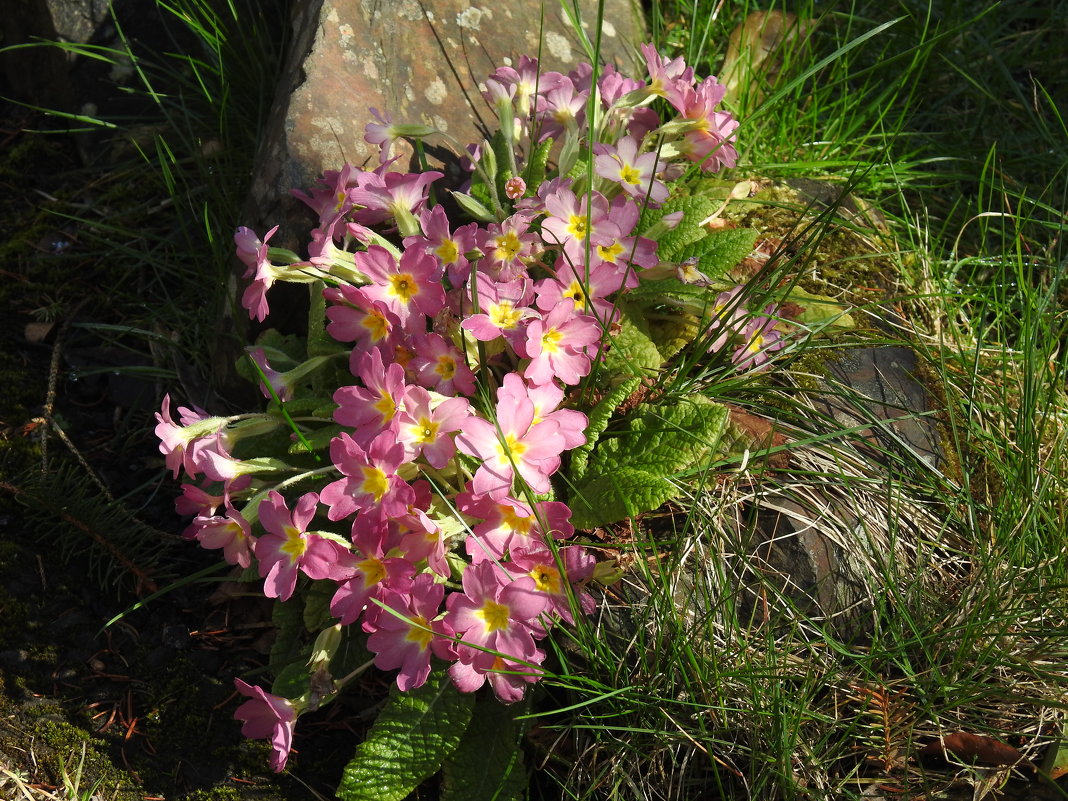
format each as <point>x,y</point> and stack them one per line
<point>231,532</point>
<point>391,195</point>
<point>408,287</point>
<point>560,344</point>
<point>496,613</point>
<point>668,79</point>
<point>561,109</point>
<point>588,291</point>
<point>420,538</point>
<point>504,309</point>
<point>330,198</point>
<point>268,717</point>
<point>370,482</point>
<point>552,581</point>
<point>507,247</point>
<point>728,319</point>
<point>181,443</point>
<point>278,381</point>
<point>371,571</point>
<point>573,220</point>
<point>438,365</point>
<point>570,423</point>
<point>761,338</point>
<point>511,445</point>
<point>450,248</point>
<point>509,525</point>
<point>355,317</point>
<point>508,678</point>
<point>710,139</point>
<point>288,546</point>
<point>424,424</point>
<point>382,133</point>
<point>404,637</point>
<point>634,172</point>
<point>371,409</point>
<point>253,253</point>
<point>524,83</point>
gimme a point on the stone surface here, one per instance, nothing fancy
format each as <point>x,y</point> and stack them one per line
<point>420,61</point>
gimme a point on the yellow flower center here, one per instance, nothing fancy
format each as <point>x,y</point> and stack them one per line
<point>447,252</point>
<point>420,636</point>
<point>295,544</point>
<point>403,286</point>
<point>377,324</point>
<point>425,430</point>
<point>577,225</point>
<point>516,523</point>
<point>373,571</point>
<point>756,343</point>
<point>386,407</point>
<point>494,615</point>
<point>375,482</point>
<point>609,253</point>
<point>446,367</point>
<point>629,175</point>
<point>508,247</point>
<point>576,294</point>
<point>510,446</point>
<point>547,579</point>
<point>550,340</point>
<point>504,315</point>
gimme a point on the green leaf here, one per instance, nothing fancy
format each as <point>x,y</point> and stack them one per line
<point>293,680</point>
<point>673,331</point>
<point>317,605</point>
<point>694,208</point>
<point>599,416</point>
<point>414,733</point>
<point>625,493</point>
<point>632,351</point>
<point>536,164</point>
<point>319,439</point>
<point>663,438</point>
<point>489,761</point>
<point>719,251</point>
<point>818,311</point>
<point>473,207</point>
<point>288,619</point>
<point>635,469</point>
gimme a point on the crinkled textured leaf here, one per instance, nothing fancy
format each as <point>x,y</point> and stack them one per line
<point>634,470</point>
<point>488,764</point>
<point>671,290</point>
<point>819,311</point>
<point>694,208</point>
<point>673,332</point>
<point>599,416</point>
<point>663,438</point>
<point>717,252</point>
<point>317,605</point>
<point>632,351</point>
<point>319,439</point>
<point>288,620</point>
<point>625,493</point>
<point>414,733</point>
<point>539,158</point>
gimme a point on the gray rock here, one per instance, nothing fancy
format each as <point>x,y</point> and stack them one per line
<point>420,61</point>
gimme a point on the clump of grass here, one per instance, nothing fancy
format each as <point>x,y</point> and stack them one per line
<point>710,673</point>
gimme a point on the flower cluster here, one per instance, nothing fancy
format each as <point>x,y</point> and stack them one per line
<point>433,522</point>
